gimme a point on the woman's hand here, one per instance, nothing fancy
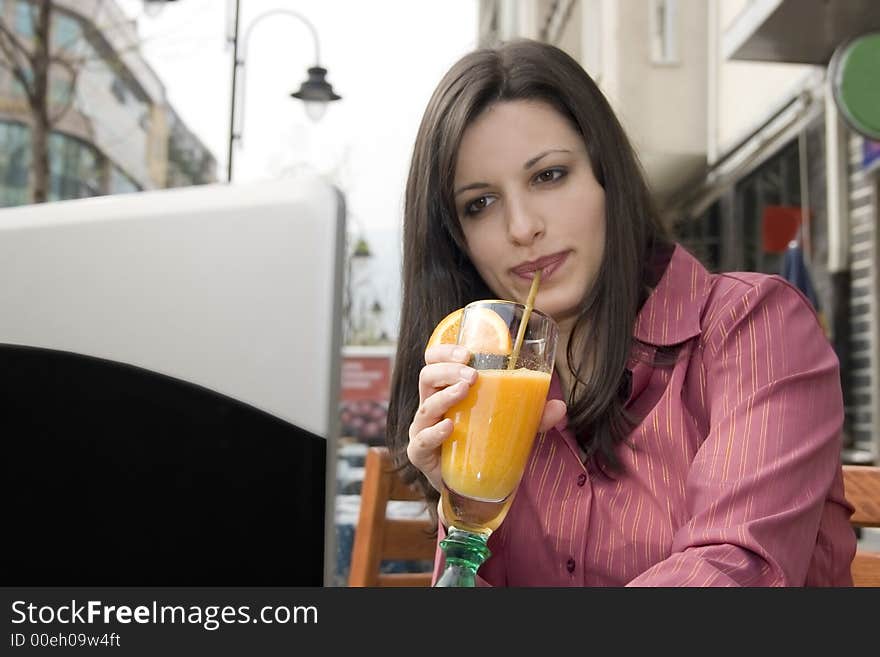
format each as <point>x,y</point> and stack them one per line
<point>443,382</point>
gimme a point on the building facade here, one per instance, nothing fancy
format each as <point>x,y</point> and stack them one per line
<point>728,105</point>
<point>113,130</point>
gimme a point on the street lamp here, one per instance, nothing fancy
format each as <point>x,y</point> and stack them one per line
<point>356,262</point>
<point>315,91</point>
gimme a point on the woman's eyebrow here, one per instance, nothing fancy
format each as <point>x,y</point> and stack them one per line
<point>467,188</point>
<point>533,161</point>
<point>528,165</point>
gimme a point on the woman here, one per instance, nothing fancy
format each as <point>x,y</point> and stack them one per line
<point>692,430</point>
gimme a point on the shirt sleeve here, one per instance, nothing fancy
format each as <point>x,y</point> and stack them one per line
<point>759,486</point>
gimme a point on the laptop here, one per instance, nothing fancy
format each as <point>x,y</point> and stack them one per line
<point>169,375</point>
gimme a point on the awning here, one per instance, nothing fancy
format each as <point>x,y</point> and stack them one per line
<point>780,129</point>
<point>797,31</point>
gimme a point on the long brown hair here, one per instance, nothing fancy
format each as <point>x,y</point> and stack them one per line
<point>438,277</point>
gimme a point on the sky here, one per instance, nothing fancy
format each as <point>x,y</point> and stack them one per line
<point>384,57</point>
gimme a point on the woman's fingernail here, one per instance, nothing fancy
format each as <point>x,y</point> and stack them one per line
<point>468,374</point>
<point>460,353</point>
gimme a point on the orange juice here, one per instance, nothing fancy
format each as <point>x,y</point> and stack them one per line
<point>484,458</point>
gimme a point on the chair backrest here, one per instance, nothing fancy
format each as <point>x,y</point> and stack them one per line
<point>862,488</point>
<point>379,538</point>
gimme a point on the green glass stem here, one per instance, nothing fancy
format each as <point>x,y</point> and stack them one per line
<point>464,552</point>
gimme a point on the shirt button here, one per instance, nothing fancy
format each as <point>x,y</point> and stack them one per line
<point>582,479</point>
<point>569,566</point>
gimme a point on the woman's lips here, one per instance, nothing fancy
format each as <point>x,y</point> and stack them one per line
<point>547,265</point>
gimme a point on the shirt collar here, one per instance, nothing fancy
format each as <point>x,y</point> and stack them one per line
<point>671,314</point>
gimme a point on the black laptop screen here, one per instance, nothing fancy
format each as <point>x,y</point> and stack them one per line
<point>115,475</point>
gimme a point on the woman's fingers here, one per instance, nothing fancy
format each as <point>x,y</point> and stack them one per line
<point>554,411</point>
<point>443,382</point>
<point>437,376</point>
<point>446,353</point>
<point>432,409</point>
<point>429,439</point>
<point>423,450</point>
<point>424,445</point>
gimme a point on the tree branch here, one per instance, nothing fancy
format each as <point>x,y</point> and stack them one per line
<point>14,52</point>
<point>71,97</point>
<point>35,15</point>
<point>67,62</point>
<point>17,43</point>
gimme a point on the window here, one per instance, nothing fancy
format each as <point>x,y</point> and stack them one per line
<point>775,183</point>
<point>25,15</point>
<point>15,161</point>
<point>188,162</point>
<point>74,168</point>
<point>701,235</point>
<point>117,88</point>
<point>120,183</point>
<point>60,90</point>
<point>664,31</point>
<point>66,32</point>
<point>18,90</point>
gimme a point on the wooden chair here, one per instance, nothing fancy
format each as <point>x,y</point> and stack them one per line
<point>862,488</point>
<point>378,538</point>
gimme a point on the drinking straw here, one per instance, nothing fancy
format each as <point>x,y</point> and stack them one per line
<point>524,322</point>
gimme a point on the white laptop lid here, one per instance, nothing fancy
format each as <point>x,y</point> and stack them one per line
<point>228,287</point>
<point>236,289</point>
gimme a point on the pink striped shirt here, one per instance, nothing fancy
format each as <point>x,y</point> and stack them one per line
<point>733,476</point>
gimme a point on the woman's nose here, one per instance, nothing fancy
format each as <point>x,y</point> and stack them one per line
<point>524,224</point>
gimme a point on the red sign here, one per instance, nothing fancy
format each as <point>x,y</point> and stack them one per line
<point>780,226</point>
<point>366,377</point>
<point>366,384</point>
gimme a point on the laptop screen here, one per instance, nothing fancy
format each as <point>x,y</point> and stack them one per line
<point>170,380</point>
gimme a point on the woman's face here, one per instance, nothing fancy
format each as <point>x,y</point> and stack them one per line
<point>527,199</point>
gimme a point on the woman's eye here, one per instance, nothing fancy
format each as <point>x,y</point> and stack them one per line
<point>550,175</point>
<point>478,205</point>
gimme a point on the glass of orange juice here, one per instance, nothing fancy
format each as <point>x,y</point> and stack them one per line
<point>494,427</point>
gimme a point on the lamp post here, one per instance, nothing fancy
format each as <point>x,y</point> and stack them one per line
<point>315,91</point>
<point>357,261</point>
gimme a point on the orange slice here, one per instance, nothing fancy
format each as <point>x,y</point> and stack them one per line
<point>446,331</point>
<point>485,333</point>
